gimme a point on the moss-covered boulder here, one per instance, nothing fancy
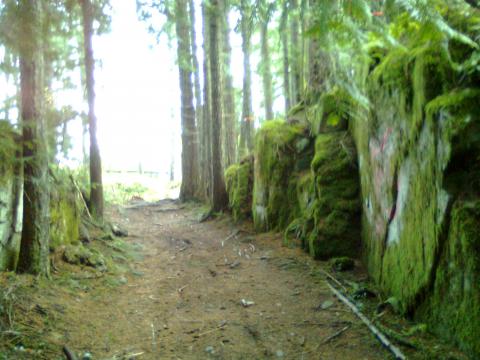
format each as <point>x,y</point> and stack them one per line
<point>333,217</point>
<point>10,197</point>
<point>80,255</point>
<point>239,183</point>
<point>65,211</point>
<point>282,152</point>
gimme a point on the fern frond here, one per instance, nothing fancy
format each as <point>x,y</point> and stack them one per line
<point>455,98</point>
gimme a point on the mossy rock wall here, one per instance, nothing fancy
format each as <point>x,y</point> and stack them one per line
<point>282,152</point>
<point>417,209</point>
<point>10,198</point>
<point>453,307</point>
<point>239,183</point>
<point>335,209</point>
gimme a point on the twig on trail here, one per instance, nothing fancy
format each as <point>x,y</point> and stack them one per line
<point>70,355</point>
<point>337,334</point>
<point>181,289</point>
<point>154,341</point>
<point>211,330</point>
<point>233,234</point>
<point>134,355</point>
<point>331,277</point>
<point>169,209</point>
<point>382,338</point>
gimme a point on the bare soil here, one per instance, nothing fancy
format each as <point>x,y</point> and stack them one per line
<point>184,299</point>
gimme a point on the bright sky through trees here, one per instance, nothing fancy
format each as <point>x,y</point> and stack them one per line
<point>137,95</point>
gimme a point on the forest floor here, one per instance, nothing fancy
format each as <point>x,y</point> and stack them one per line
<point>181,298</point>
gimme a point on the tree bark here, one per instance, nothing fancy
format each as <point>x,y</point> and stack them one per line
<point>228,94</point>
<point>34,249</point>
<point>96,184</point>
<point>285,56</point>
<point>246,131</point>
<point>296,70</point>
<point>206,146</point>
<point>266,63</point>
<point>188,189</point>
<point>219,194</point>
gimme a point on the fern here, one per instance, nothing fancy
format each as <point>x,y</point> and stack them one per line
<point>455,98</point>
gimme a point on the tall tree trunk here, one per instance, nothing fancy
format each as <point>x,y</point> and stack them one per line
<point>96,184</point>
<point>34,249</point>
<point>206,144</point>
<point>266,67</point>
<point>318,62</point>
<point>188,189</point>
<point>228,94</point>
<point>200,188</point>
<point>295,51</point>
<point>246,132</point>
<point>219,194</point>
<point>196,67</point>
<point>304,56</point>
<point>285,56</point>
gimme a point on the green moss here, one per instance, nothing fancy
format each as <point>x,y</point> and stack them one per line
<point>80,255</point>
<point>453,311</point>
<point>10,197</point>
<point>278,148</point>
<point>8,149</point>
<point>239,183</point>
<point>342,263</point>
<point>332,222</point>
<point>65,213</point>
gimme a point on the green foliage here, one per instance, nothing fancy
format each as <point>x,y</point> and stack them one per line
<point>119,193</point>
<point>8,148</point>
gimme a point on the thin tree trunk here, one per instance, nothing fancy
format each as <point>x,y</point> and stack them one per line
<point>304,57</point>
<point>188,189</point>
<point>246,133</point>
<point>266,70</point>
<point>34,249</point>
<point>206,148</point>
<point>198,95</point>
<point>295,52</point>
<point>219,194</point>
<point>196,67</point>
<point>228,94</point>
<point>96,184</point>
<point>285,56</point>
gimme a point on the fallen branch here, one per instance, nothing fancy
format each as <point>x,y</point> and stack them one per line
<point>331,277</point>
<point>211,330</point>
<point>169,209</point>
<point>233,234</point>
<point>382,338</point>
<point>335,335</point>
<point>70,355</point>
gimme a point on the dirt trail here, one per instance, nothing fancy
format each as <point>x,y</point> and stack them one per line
<point>183,300</point>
